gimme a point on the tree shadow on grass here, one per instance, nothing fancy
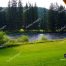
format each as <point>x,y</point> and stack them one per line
<point>8,50</point>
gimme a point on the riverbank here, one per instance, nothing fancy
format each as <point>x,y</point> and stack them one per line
<point>31,31</point>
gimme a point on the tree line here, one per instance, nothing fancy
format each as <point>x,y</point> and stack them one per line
<point>16,16</point>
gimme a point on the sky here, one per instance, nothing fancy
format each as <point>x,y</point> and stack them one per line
<point>40,3</point>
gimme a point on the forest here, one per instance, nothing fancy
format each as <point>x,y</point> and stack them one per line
<point>31,17</point>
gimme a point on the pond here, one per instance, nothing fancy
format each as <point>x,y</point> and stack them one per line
<point>37,36</point>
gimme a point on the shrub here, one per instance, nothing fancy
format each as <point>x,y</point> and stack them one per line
<point>3,38</point>
<point>21,30</point>
<point>23,39</point>
<point>6,38</point>
<point>11,42</point>
<point>43,38</point>
<point>16,42</point>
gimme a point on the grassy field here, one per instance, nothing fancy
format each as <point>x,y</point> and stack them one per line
<point>42,54</point>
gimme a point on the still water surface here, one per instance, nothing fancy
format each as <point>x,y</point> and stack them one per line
<point>37,36</point>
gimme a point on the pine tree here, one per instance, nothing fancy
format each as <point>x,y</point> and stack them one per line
<point>35,17</point>
<point>61,17</point>
<point>14,3</point>
<point>43,23</point>
<point>29,16</point>
<point>51,18</point>
<point>9,16</point>
<point>26,15</point>
<point>12,14</point>
<point>20,15</point>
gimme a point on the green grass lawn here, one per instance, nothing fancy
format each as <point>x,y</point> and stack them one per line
<point>42,54</point>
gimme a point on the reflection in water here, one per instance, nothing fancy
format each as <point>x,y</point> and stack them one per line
<point>54,36</point>
<point>33,37</point>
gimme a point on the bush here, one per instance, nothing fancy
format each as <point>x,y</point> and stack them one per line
<point>16,42</point>
<point>43,38</point>
<point>21,30</point>
<point>6,38</point>
<point>23,39</point>
<point>3,38</point>
<point>11,42</point>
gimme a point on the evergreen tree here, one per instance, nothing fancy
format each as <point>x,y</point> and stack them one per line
<point>61,17</point>
<point>35,17</point>
<point>9,16</point>
<point>20,15</point>
<point>29,16</point>
<point>12,15</point>
<point>43,23</point>
<point>2,17</point>
<point>51,19</point>
<point>26,15</point>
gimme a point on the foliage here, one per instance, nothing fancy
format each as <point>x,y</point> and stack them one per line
<point>6,38</point>
<point>43,38</point>
<point>3,38</point>
<point>17,17</point>
<point>11,43</point>
<point>21,30</point>
<point>23,39</point>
